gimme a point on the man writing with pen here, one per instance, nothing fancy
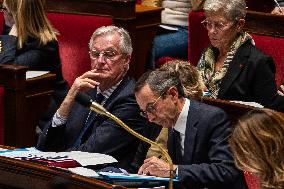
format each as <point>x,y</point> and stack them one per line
<point>197,141</point>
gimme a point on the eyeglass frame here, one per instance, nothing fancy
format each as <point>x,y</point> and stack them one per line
<point>150,107</point>
<point>206,22</point>
<point>103,53</point>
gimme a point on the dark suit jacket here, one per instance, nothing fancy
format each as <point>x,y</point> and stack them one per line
<point>207,161</point>
<point>105,135</point>
<point>251,77</point>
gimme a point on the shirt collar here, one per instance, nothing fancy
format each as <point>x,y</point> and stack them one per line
<point>180,125</point>
<point>109,91</point>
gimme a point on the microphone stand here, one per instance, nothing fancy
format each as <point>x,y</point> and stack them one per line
<point>101,110</point>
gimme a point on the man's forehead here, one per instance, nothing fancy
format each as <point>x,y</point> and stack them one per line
<point>145,92</point>
<point>107,40</point>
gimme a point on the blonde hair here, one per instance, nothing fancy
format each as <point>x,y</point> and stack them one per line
<point>189,77</point>
<point>31,20</point>
<point>257,143</point>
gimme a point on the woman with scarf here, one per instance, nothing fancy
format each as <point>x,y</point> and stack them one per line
<point>232,68</point>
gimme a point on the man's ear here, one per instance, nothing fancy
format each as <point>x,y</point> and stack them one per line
<point>173,92</point>
<point>127,60</point>
<point>240,24</point>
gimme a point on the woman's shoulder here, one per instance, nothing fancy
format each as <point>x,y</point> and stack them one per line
<point>256,57</point>
<point>253,51</point>
<point>35,43</point>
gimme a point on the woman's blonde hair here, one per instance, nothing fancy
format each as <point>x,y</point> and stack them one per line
<point>189,77</point>
<point>257,143</point>
<point>30,20</point>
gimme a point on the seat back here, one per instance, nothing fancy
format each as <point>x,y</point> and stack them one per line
<point>75,31</point>
<point>273,46</point>
<point>198,38</point>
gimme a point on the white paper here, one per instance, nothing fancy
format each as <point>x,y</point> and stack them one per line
<point>171,28</point>
<point>84,158</point>
<point>84,171</point>
<point>33,74</point>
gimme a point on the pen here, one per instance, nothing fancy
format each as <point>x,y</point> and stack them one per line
<point>277,4</point>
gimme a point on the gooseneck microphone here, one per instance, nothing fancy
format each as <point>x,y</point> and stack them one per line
<point>85,100</point>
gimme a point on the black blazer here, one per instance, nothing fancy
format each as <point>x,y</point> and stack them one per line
<point>251,77</point>
<point>105,135</point>
<point>207,161</point>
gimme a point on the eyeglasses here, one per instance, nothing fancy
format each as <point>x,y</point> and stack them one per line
<point>108,54</point>
<point>150,107</point>
<point>219,26</point>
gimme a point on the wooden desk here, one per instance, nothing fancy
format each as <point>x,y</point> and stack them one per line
<point>234,110</point>
<point>25,101</point>
<point>20,174</point>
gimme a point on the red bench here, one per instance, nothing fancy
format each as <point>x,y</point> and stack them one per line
<point>73,41</point>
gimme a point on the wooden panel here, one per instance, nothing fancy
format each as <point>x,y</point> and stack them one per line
<point>25,101</point>
<point>22,174</point>
<point>264,24</point>
<point>234,110</point>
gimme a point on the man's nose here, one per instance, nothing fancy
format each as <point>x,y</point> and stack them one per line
<point>101,58</point>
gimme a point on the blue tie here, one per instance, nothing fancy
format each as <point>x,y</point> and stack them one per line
<point>87,125</point>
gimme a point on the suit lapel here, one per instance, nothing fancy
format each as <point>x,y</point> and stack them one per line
<point>190,133</point>
<point>236,66</point>
<point>116,92</point>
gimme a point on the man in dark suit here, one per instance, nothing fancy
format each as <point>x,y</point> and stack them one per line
<point>198,135</point>
<point>75,127</point>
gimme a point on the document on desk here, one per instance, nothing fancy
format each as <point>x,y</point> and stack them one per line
<point>111,175</point>
<point>33,74</point>
<point>83,158</point>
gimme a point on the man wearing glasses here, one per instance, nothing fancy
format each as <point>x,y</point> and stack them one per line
<point>198,135</point>
<point>75,127</point>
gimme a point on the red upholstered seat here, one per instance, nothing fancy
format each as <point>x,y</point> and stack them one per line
<point>197,39</point>
<point>252,181</point>
<point>163,60</point>
<point>274,46</point>
<point>1,115</point>
<point>75,32</point>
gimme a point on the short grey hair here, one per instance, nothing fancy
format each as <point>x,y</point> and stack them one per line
<point>159,81</point>
<point>125,42</point>
<point>233,9</point>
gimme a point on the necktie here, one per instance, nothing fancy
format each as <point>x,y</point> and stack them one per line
<point>174,146</point>
<point>87,129</point>
<point>177,141</point>
<point>99,98</point>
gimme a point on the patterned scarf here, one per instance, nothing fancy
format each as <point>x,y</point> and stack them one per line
<point>206,65</point>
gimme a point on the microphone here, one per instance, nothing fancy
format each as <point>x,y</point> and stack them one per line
<point>86,100</point>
